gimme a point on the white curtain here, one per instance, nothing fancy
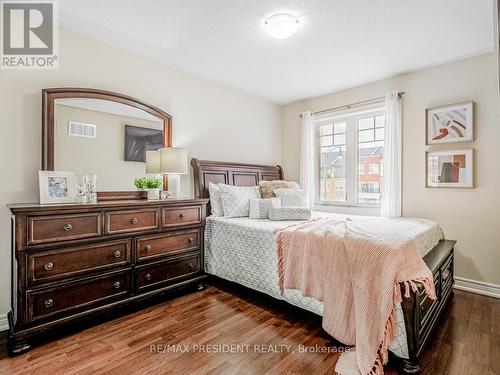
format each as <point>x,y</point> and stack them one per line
<point>392,177</point>
<point>307,182</point>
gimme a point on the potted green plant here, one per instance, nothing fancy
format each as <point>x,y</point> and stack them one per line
<point>151,184</point>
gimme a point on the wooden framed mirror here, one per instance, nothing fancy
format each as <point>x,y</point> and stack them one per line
<point>104,133</point>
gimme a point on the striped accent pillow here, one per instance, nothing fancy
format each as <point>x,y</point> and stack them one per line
<point>289,213</point>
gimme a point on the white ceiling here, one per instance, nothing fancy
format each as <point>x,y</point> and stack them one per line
<point>343,43</point>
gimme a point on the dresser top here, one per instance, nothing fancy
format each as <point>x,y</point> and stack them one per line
<point>19,208</point>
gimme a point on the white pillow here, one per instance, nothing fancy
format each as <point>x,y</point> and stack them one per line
<point>292,197</point>
<point>259,208</point>
<point>215,199</point>
<point>289,213</point>
<point>236,199</point>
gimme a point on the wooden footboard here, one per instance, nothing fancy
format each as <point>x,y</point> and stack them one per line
<point>421,314</point>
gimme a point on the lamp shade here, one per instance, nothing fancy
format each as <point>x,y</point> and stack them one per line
<point>173,160</point>
<point>153,162</point>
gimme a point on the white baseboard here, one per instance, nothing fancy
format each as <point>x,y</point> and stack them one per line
<point>479,287</point>
<point>4,322</point>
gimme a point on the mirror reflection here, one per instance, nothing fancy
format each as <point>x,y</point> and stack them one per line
<point>105,138</point>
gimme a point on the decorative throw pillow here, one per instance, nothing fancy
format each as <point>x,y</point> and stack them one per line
<point>289,213</point>
<point>267,187</point>
<point>215,199</point>
<point>292,197</point>
<point>259,208</point>
<point>236,199</point>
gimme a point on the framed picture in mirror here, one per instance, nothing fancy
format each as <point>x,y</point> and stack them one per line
<point>138,140</point>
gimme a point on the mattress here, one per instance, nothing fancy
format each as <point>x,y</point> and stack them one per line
<point>244,251</point>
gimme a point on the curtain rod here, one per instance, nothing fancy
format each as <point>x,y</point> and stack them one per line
<point>349,106</point>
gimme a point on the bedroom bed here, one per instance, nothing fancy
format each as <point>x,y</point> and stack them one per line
<point>244,251</point>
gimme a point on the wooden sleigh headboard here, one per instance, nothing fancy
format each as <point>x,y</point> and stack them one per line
<point>236,174</point>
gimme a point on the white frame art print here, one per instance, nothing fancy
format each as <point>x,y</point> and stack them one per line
<point>56,187</point>
<point>454,166</point>
<point>450,123</point>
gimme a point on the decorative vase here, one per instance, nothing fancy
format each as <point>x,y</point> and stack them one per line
<point>91,188</point>
<point>153,194</point>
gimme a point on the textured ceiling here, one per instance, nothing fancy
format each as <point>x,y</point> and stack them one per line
<point>343,43</point>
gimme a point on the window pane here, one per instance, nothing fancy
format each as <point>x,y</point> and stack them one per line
<point>340,127</point>
<point>326,141</point>
<point>379,121</point>
<point>332,184</point>
<point>379,134</point>
<point>326,129</point>
<point>370,157</point>
<point>366,135</point>
<point>366,123</point>
<point>339,139</point>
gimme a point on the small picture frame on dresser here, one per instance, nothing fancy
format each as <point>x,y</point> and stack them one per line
<point>56,187</point>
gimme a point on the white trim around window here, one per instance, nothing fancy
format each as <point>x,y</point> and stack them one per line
<point>351,204</point>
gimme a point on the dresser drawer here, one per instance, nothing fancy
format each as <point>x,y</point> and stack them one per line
<point>168,272</point>
<point>427,306</point>
<point>52,265</point>
<point>173,217</point>
<point>55,228</point>
<point>150,247</point>
<point>130,221</point>
<point>446,273</point>
<point>77,296</point>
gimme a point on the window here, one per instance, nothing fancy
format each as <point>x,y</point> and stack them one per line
<point>373,168</point>
<point>350,151</point>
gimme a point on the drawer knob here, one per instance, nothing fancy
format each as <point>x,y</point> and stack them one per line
<point>48,266</point>
<point>181,216</point>
<point>117,284</point>
<point>191,240</point>
<point>49,302</point>
<point>446,275</point>
<point>134,220</point>
<point>68,227</point>
<point>190,266</point>
<point>117,254</point>
<point>148,248</point>
<point>148,276</point>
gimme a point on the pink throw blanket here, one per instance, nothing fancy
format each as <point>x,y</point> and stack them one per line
<point>355,268</point>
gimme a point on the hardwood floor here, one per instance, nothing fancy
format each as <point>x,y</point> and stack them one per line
<point>466,343</point>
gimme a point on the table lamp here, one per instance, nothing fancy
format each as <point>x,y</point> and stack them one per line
<point>153,162</point>
<point>153,167</point>
<point>174,162</point>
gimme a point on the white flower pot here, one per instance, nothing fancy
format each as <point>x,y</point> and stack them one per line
<point>153,194</point>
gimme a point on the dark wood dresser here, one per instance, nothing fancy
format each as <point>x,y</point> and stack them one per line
<point>74,262</point>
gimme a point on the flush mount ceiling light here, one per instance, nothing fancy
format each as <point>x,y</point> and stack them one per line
<point>281,25</point>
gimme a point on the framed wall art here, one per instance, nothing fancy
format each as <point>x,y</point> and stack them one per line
<point>450,168</point>
<point>450,123</point>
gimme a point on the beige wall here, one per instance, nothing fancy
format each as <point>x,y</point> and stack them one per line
<point>103,155</point>
<point>214,122</point>
<point>471,216</point>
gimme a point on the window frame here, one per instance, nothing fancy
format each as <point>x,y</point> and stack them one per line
<point>351,117</point>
